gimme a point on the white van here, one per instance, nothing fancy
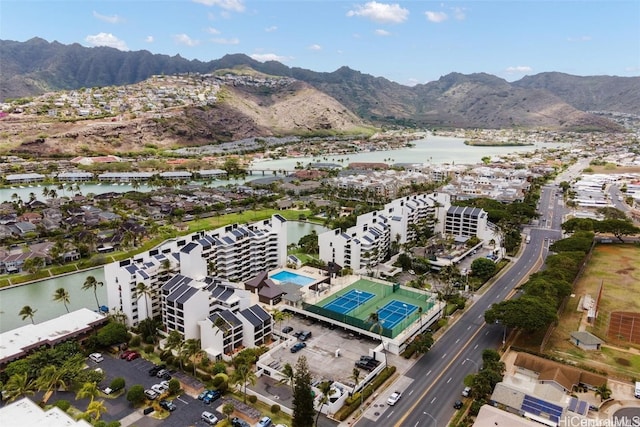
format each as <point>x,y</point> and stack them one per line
<point>637,392</point>
<point>96,357</point>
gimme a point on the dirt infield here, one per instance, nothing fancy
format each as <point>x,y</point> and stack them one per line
<point>624,326</point>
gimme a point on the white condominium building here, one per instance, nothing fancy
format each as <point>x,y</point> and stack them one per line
<point>235,252</point>
<point>367,243</point>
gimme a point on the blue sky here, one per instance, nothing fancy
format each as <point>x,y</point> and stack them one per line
<point>408,42</point>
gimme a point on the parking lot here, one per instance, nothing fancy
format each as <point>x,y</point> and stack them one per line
<point>188,411</point>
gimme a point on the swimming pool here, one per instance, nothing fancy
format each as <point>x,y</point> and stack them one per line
<point>287,276</point>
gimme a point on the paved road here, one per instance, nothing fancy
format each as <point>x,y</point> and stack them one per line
<point>435,382</point>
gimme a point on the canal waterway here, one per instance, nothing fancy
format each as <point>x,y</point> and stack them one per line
<point>39,295</point>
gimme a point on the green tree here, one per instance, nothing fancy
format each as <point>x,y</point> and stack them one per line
<point>242,375</point>
<point>227,409</point>
<point>91,283</point>
<point>527,312</point>
<point>289,375</point>
<point>617,227</point>
<point>19,385</point>
<point>175,341</point>
<point>192,349</point>
<point>112,333</point>
<point>325,389</point>
<point>136,394</point>
<point>174,386</point>
<point>51,377</point>
<point>27,311</point>
<point>62,295</point>
<point>118,383</point>
<point>603,391</point>
<point>95,409</point>
<point>142,290</point>
<point>303,411</point>
<point>309,243</point>
<point>483,268</point>
<point>88,390</point>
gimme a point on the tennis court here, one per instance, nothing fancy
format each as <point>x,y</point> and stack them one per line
<point>395,312</point>
<point>349,301</point>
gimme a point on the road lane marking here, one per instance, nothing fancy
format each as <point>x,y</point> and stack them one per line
<point>449,380</point>
<point>433,400</point>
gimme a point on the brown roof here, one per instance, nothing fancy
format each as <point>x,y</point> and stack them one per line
<point>566,376</point>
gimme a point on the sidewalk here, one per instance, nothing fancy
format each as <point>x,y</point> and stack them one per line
<point>131,418</point>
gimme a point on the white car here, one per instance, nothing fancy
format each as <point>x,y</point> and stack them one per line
<point>466,392</point>
<point>393,399</point>
<point>209,418</point>
<point>96,357</point>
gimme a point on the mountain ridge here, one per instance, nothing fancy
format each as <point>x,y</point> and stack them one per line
<point>479,100</point>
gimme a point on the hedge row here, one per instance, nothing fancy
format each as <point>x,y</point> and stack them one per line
<point>353,402</point>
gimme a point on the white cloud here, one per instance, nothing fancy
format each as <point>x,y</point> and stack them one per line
<point>113,19</point>
<point>380,32</point>
<point>264,57</point>
<point>381,12</point>
<point>579,39</point>
<point>212,30</point>
<point>226,41</point>
<point>106,39</point>
<point>185,40</point>
<point>436,17</point>
<point>149,39</point>
<point>315,47</point>
<point>519,69</point>
<point>271,29</point>
<point>233,5</point>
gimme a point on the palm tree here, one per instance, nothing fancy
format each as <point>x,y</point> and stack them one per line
<point>289,375</point>
<point>96,408</point>
<point>51,377</point>
<point>142,290</point>
<point>355,376</point>
<point>192,349</point>
<point>175,341</point>
<point>88,390</point>
<point>19,385</point>
<point>325,388</point>
<point>243,375</point>
<point>376,324</point>
<point>27,311</point>
<point>91,283</point>
<point>603,391</point>
<point>62,295</point>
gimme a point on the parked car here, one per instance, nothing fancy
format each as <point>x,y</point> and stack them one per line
<point>126,354</point>
<point>132,356</point>
<point>158,388</point>
<point>151,395</point>
<point>212,396</point>
<point>304,335</point>
<point>287,329</point>
<point>297,347</point>
<point>466,392</point>
<point>209,418</point>
<point>96,357</point>
<point>161,373</point>
<point>393,399</point>
<point>264,422</point>
<point>203,394</point>
<point>168,405</point>
<point>237,422</point>
<point>156,368</point>
<point>458,404</point>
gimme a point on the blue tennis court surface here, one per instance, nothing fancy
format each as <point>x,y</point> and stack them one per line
<point>395,312</point>
<point>349,301</point>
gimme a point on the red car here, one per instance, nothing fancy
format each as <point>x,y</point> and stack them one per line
<point>126,354</point>
<point>131,356</point>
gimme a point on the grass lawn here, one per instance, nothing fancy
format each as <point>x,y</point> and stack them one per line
<point>617,268</point>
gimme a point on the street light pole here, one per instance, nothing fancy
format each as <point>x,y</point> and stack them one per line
<point>432,417</point>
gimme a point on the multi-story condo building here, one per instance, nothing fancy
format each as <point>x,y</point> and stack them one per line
<point>367,243</point>
<point>234,252</point>
<point>467,222</point>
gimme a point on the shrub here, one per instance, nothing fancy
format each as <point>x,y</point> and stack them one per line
<point>275,409</point>
<point>63,404</point>
<point>205,362</point>
<point>135,341</point>
<point>204,377</point>
<point>252,399</point>
<point>219,368</point>
<point>352,404</point>
<point>149,349</point>
<point>174,386</point>
<point>117,383</point>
